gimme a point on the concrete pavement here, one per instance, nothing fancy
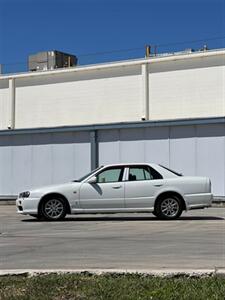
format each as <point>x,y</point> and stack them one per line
<point>127,242</point>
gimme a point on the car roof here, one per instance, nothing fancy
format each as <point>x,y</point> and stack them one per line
<point>163,171</point>
<point>130,164</point>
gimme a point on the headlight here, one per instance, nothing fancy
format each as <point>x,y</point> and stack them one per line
<point>24,194</point>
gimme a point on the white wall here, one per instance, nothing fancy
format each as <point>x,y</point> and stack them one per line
<point>187,89</point>
<point>102,96</point>
<point>4,104</point>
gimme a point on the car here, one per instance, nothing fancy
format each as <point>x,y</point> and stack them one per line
<point>120,188</point>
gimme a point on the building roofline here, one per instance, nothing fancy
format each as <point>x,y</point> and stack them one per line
<point>134,62</point>
<point>121,125</point>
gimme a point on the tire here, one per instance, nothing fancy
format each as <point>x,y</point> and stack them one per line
<point>155,213</point>
<point>53,209</point>
<point>168,208</point>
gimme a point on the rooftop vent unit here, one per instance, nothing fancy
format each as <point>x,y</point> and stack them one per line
<point>50,60</point>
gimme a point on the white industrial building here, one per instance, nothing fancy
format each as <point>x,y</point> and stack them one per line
<point>56,125</point>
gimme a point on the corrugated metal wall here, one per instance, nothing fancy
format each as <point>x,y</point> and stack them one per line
<point>30,160</point>
<point>192,150</point>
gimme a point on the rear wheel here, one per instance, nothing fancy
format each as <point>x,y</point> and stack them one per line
<point>53,209</point>
<point>168,208</point>
<point>154,213</point>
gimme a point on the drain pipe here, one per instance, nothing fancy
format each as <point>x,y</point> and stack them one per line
<point>12,98</point>
<point>145,91</point>
<point>94,149</point>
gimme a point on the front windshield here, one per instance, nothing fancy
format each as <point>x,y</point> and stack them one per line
<point>87,175</point>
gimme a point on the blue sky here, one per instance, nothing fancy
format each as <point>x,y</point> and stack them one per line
<point>91,26</point>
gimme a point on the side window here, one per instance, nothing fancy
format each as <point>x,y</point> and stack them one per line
<point>137,174</point>
<point>155,174</point>
<point>143,173</point>
<point>110,175</point>
<point>147,174</point>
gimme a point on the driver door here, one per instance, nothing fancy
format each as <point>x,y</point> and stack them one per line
<point>107,193</point>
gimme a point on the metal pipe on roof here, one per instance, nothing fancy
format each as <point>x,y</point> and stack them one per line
<point>147,51</point>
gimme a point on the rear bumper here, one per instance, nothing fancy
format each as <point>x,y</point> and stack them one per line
<point>27,206</point>
<point>194,201</point>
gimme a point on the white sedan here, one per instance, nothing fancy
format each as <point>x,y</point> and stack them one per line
<point>120,188</point>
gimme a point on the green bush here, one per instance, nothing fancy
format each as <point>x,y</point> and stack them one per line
<point>107,287</point>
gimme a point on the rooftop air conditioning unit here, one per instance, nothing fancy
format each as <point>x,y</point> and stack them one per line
<point>50,60</point>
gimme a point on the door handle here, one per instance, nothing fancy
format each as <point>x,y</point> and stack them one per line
<point>117,186</point>
<point>158,185</point>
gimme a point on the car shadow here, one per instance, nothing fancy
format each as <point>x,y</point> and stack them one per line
<point>128,218</point>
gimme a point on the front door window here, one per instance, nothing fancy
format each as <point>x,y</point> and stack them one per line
<point>110,175</point>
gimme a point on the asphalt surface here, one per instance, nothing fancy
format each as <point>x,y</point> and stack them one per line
<point>131,241</point>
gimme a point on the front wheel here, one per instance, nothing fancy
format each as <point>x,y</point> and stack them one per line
<point>53,209</point>
<point>169,208</point>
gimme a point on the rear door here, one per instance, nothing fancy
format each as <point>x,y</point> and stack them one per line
<point>141,185</point>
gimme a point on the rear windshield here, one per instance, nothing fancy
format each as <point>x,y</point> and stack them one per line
<point>172,171</point>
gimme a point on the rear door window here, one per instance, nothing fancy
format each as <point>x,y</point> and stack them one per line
<point>137,173</point>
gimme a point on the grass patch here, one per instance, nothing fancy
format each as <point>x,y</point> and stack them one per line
<point>107,287</point>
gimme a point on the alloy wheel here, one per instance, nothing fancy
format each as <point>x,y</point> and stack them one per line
<point>54,209</point>
<point>170,207</point>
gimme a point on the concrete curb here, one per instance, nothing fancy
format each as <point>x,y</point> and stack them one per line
<point>145,272</point>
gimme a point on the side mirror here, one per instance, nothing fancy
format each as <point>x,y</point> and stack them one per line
<point>92,180</point>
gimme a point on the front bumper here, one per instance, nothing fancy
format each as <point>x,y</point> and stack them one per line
<point>27,206</point>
